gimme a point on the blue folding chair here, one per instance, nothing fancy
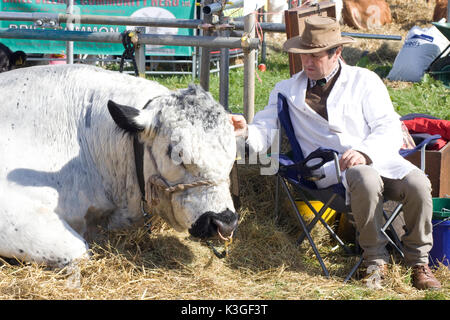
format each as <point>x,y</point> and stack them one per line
<point>297,171</point>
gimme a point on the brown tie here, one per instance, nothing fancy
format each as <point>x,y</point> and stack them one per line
<point>316,97</point>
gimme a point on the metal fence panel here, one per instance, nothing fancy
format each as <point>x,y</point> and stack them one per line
<point>170,9</point>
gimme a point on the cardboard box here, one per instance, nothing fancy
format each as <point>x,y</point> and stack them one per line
<point>437,167</point>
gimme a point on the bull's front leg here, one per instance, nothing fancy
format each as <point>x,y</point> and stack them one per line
<point>32,231</point>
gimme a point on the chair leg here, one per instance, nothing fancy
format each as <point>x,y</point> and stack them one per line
<point>277,198</point>
<point>317,215</point>
<point>305,229</point>
<point>336,237</point>
<point>355,267</point>
<point>388,225</point>
<point>317,218</point>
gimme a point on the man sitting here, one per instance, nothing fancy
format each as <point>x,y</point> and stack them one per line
<point>348,109</point>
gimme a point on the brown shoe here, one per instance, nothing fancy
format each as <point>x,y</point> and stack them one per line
<point>423,278</point>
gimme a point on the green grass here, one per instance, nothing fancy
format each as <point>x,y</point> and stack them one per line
<point>277,69</point>
<point>428,96</point>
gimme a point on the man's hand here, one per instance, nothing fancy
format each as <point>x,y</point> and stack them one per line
<point>352,158</point>
<point>239,124</point>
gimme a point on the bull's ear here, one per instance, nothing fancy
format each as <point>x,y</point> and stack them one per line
<point>125,117</point>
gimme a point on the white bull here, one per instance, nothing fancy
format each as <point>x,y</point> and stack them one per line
<point>67,159</point>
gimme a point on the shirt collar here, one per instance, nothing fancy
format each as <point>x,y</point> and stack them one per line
<point>312,83</point>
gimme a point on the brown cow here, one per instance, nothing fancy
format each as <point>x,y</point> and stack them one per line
<point>440,10</point>
<point>366,14</point>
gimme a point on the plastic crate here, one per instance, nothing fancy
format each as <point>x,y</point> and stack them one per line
<point>441,232</point>
<point>308,215</point>
<point>441,208</point>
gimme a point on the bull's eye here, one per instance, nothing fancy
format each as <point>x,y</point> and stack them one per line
<point>175,155</point>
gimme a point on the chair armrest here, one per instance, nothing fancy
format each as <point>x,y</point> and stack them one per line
<point>422,147</point>
<point>338,168</point>
<point>314,161</point>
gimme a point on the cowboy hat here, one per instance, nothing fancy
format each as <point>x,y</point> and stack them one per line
<point>320,34</point>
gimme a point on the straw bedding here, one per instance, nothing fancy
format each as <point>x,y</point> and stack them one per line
<point>263,262</point>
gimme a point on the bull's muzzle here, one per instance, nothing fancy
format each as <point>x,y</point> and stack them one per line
<point>215,225</point>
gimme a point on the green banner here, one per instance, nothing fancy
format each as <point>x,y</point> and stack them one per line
<point>171,9</point>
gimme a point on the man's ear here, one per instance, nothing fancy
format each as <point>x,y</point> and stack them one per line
<point>339,51</point>
<point>125,117</point>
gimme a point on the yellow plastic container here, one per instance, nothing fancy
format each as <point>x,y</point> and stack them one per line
<point>329,214</point>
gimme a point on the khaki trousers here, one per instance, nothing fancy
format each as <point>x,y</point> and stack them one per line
<point>368,190</point>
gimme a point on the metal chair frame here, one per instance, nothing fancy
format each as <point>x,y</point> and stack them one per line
<point>328,196</point>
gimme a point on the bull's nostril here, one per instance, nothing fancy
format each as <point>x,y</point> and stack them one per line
<point>211,224</point>
<point>225,229</point>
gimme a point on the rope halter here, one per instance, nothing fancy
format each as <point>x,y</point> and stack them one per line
<point>158,182</point>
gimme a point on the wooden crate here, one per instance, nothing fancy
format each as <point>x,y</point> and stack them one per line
<point>295,24</point>
<point>437,167</point>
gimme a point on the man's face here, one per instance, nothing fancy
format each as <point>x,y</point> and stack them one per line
<point>319,65</point>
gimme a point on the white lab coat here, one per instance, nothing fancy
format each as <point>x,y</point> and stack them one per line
<point>360,117</point>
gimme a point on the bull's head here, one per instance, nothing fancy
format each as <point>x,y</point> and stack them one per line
<point>189,151</point>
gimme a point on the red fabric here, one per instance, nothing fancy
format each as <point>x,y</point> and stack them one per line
<point>430,126</point>
<point>438,145</point>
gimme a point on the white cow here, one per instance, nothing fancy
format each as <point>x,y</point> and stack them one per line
<point>67,159</point>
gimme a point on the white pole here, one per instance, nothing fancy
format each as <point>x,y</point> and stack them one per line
<point>69,44</point>
<point>249,69</point>
<point>139,54</point>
